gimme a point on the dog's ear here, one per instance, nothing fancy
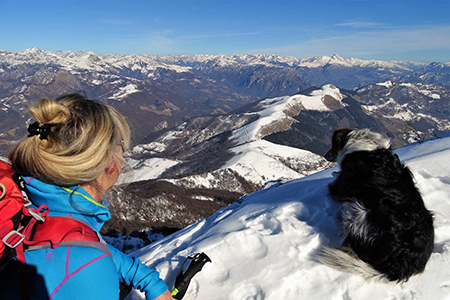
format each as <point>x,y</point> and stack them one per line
<point>331,156</point>
<point>338,141</point>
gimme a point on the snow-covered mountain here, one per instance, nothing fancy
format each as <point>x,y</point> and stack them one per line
<point>424,109</point>
<point>434,73</point>
<point>276,75</point>
<point>242,134</point>
<point>146,64</point>
<point>265,246</point>
<point>276,60</point>
<point>88,61</point>
<point>202,158</point>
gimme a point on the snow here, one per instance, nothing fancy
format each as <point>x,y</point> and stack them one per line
<point>147,169</point>
<point>259,161</point>
<point>204,198</point>
<point>320,61</point>
<point>429,94</point>
<point>387,84</point>
<point>435,96</point>
<point>205,181</point>
<point>425,89</point>
<point>327,89</point>
<point>149,148</point>
<point>125,91</point>
<point>265,246</point>
<point>273,112</point>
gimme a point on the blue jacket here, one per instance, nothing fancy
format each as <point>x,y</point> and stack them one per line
<point>74,272</point>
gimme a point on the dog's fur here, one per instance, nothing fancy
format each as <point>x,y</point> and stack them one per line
<point>388,233</point>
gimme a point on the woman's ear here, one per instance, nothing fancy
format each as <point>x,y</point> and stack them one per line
<point>111,167</point>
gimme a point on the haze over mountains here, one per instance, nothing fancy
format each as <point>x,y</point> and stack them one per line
<point>208,129</point>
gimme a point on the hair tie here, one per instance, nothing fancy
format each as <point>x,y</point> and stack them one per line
<point>41,130</point>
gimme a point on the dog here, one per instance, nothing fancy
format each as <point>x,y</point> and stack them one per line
<point>388,233</point>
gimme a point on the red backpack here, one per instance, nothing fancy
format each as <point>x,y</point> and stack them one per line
<point>23,228</point>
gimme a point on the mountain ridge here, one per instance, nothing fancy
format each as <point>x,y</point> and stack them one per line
<point>203,59</point>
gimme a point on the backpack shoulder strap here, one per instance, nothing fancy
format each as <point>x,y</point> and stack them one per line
<point>66,231</point>
<point>17,217</point>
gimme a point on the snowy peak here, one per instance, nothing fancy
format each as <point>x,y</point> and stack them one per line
<point>338,60</point>
<point>277,60</point>
<point>337,57</point>
<point>277,114</point>
<point>87,60</point>
<point>32,51</point>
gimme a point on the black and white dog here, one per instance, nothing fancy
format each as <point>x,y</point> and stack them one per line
<point>388,233</point>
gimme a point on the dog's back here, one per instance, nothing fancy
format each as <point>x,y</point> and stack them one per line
<point>384,219</point>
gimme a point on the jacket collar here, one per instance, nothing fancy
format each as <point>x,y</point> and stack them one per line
<point>67,200</point>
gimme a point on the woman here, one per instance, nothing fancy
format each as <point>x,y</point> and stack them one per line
<point>71,157</point>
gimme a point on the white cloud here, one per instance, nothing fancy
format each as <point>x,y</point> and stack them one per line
<point>160,38</point>
<point>370,42</point>
<point>360,24</point>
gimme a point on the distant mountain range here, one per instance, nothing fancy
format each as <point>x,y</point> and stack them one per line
<point>158,92</point>
<point>209,128</point>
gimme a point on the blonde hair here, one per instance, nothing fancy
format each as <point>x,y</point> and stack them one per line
<point>83,137</point>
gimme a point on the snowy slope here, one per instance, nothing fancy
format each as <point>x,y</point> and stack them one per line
<point>276,111</point>
<point>261,161</point>
<point>265,246</point>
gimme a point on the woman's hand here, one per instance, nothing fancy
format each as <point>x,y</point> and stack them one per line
<point>165,296</point>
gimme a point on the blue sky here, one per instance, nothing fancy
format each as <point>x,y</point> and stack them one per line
<point>381,29</point>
